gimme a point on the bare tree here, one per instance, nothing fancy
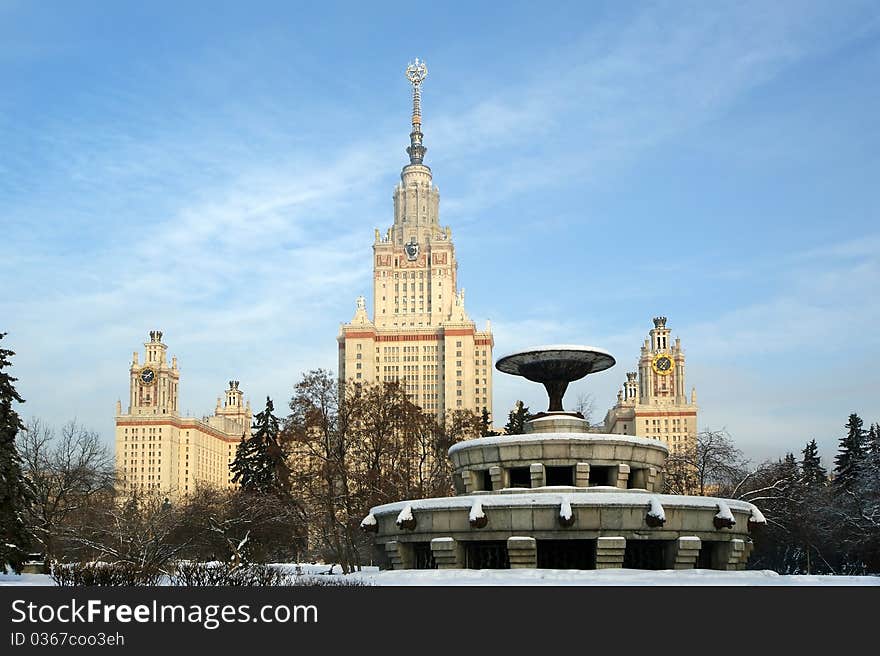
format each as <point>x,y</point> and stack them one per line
<point>711,463</point>
<point>138,532</point>
<point>586,405</point>
<point>368,445</point>
<point>240,527</point>
<point>319,433</point>
<point>68,471</point>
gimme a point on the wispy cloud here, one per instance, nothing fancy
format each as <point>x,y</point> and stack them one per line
<point>238,217</point>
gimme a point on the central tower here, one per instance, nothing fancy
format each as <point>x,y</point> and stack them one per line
<point>420,334</point>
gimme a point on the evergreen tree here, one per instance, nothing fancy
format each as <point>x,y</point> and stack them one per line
<point>486,424</point>
<point>260,463</point>
<point>850,458</point>
<point>517,418</point>
<point>241,465</point>
<point>873,447</point>
<point>813,474</point>
<point>15,491</point>
<point>789,467</point>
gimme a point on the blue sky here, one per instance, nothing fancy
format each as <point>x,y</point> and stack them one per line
<point>216,170</point>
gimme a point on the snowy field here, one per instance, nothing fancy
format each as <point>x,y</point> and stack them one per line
<point>552,577</point>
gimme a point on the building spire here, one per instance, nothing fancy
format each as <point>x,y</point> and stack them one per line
<point>416,73</point>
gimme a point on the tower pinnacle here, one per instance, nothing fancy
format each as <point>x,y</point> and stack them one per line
<point>416,73</point>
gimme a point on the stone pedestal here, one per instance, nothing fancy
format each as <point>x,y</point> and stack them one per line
<point>497,475</point>
<point>469,480</point>
<point>652,481</point>
<point>448,553</point>
<point>400,555</point>
<point>537,474</point>
<point>522,552</point>
<point>622,478</point>
<point>683,553</point>
<point>582,474</point>
<point>609,552</point>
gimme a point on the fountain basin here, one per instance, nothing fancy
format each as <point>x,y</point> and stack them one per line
<point>599,512</point>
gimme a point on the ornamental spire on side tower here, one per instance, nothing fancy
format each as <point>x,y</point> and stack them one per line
<point>416,73</point>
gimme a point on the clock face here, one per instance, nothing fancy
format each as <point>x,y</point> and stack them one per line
<point>148,376</point>
<point>411,249</point>
<point>663,364</point>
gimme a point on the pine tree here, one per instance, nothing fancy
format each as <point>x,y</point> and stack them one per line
<point>486,424</point>
<point>850,458</point>
<point>241,465</point>
<point>517,418</point>
<point>813,474</point>
<point>872,441</point>
<point>15,491</point>
<point>260,463</point>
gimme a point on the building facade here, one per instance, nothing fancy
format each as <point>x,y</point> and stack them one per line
<point>420,334</point>
<point>160,452</point>
<point>653,401</point>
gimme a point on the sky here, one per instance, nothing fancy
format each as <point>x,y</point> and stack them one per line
<point>216,171</point>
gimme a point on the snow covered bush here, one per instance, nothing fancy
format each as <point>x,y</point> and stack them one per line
<point>103,574</point>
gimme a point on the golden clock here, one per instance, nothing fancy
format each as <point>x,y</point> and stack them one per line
<point>663,365</point>
<point>148,376</point>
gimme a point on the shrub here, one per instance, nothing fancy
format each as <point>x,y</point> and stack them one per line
<point>103,574</point>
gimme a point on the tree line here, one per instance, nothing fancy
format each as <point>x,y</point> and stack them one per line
<point>304,482</point>
<point>818,521</point>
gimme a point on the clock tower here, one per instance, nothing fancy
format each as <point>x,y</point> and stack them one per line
<point>154,384</point>
<point>420,334</point>
<point>160,452</point>
<point>653,401</point>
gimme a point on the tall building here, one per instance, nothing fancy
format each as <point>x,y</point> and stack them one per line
<point>653,401</point>
<point>157,450</point>
<point>420,333</point>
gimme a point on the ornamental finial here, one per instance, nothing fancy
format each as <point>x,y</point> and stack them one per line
<point>416,73</point>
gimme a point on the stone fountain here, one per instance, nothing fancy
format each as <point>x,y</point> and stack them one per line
<point>562,497</point>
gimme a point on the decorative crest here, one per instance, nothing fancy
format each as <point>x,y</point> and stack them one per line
<point>416,72</point>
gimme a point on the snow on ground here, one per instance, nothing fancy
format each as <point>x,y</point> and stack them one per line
<point>25,579</point>
<point>614,577</point>
<point>627,577</point>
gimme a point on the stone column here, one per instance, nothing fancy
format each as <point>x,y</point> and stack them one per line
<point>651,479</point>
<point>400,554</point>
<point>683,553</point>
<point>609,552</point>
<point>497,475</point>
<point>448,553</point>
<point>538,475</point>
<point>522,552</point>
<point>469,479</point>
<point>582,474</point>
<point>622,476</point>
